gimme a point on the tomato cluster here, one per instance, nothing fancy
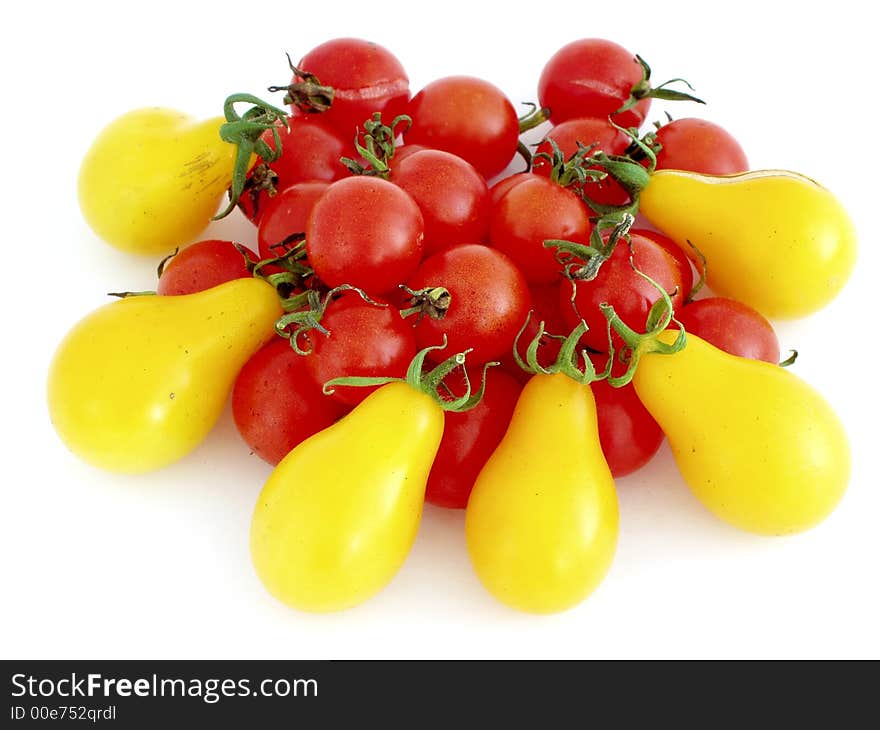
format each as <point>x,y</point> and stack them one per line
<point>396,268</point>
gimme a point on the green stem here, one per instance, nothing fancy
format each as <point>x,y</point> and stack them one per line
<point>309,94</point>
<point>534,117</point>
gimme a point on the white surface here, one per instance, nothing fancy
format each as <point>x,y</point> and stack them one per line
<point>97,565</point>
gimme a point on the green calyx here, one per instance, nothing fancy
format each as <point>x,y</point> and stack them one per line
<point>571,361</point>
<point>245,131</point>
<point>432,301</point>
<point>376,146</point>
<point>644,90</point>
<point>581,262</point>
<point>295,278</point>
<point>428,382</point>
<point>307,94</point>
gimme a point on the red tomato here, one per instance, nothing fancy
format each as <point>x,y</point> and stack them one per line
<point>470,118</point>
<point>592,78</point>
<point>682,262</point>
<point>731,326</point>
<point>365,340</point>
<point>617,284</point>
<point>286,215</point>
<point>469,438</point>
<point>490,302</point>
<point>531,212</point>
<point>699,146</point>
<point>367,232</point>
<point>403,151</point>
<point>498,190</point>
<point>276,404</point>
<point>452,195</point>
<point>365,77</point>
<point>201,266</point>
<point>587,131</point>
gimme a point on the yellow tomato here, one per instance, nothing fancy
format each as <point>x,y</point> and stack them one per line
<point>755,443</point>
<point>339,514</point>
<point>773,239</point>
<point>542,520</point>
<point>140,382</point>
<point>153,178</point>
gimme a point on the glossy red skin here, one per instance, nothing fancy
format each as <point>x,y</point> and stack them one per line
<point>366,77</point>
<point>276,404</point>
<point>469,438</point>
<point>699,146</point>
<point>286,215</point>
<point>310,150</point>
<point>403,151</point>
<point>731,326</point>
<point>203,265</point>
<point>452,195</point>
<point>367,232</point>
<point>592,77</point>
<point>470,118</point>
<point>530,213</point>
<point>682,262</point>
<point>618,285</point>
<point>587,131</point>
<point>490,302</point>
<point>500,188</point>
<point>364,340</point>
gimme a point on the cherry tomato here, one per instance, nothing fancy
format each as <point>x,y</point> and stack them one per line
<point>682,262</point>
<point>364,340</point>
<point>365,78</point>
<point>618,285</point>
<point>530,213</point>
<point>489,301</point>
<point>469,438</point>
<point>731,326</point>
<point>201,266</point>
<point>592,77</point>
<point>367,232</point>
<point>587,131</point>
<point>286,215</point>
<point>699,146</point>
<point>403,151</point>
<point>470,118</point>
<point>452,195</point>
<point>276,404</point>
<point>497,191</point>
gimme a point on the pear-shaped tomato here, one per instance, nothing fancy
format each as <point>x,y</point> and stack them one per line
<point>140,382</point>
<point>755,443</point>
<point>338,516</point>
<point>542,519</point>
<point>153,178</point>
<point>773,239</point>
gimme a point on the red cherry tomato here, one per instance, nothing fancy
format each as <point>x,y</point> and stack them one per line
<point>682,262</point>
<point>365,77</point>
<point>587,131</point>
<point>531,212</point>
<point>276,404</point>
<point>201,266</point>
<point>699,146</point>
<point>499,189</point>
<point>364,340</point>
<point>286,215</point>
<point>731,326</point>
<point>452,195</point>
<point>618,285</point>
<point>489,304</point>
<point>592,78</point>
<point>403,151</point>
<point>367,232</point>
<point>470,118</point>
<point>469,438</point>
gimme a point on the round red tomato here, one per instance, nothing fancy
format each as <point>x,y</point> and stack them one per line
<point>682,262</point>
<point>731,326</point>
<point>201,266</point>
<point>403,151</point>
<point>500,188</point>
<point>470,118</point>
<point>286,216</point>
<point>275,403</point>
<point>364,340</point>
<point>699,146</point>
<point>469,438</point>
<point>367,232</point>
<point>531,212</point>
<point>452,195</point>
<point>365,78</point>
<point>489,302</point>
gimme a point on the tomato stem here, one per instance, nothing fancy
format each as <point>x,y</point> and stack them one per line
<point>568,359</point>
<point>644,90</point>
<point>534,117</point>
<point>432,301</point>
<point>309,94</point>
<point>377,148</point>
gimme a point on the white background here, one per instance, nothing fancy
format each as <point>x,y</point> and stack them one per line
<point>101,566</point>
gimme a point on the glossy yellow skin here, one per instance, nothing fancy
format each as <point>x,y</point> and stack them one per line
<point>338,516</point>
<point>140,382</point>
<point>775,240</point>
<point>542,519</point>
<point>756,444</point>
<point>154,178</point>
